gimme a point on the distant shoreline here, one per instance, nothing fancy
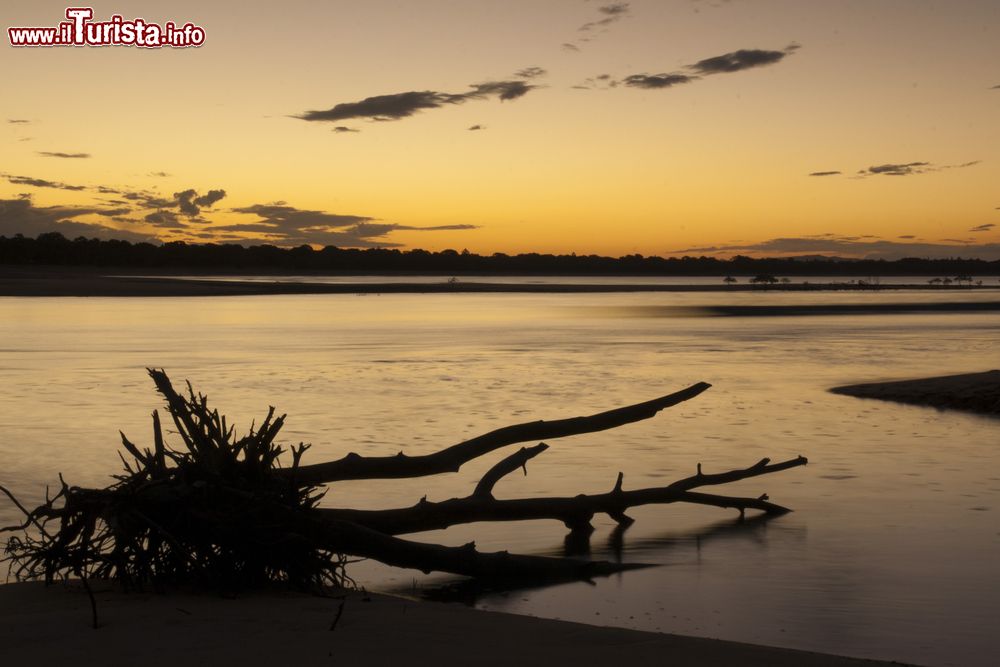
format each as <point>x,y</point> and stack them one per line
<point>47,282</point>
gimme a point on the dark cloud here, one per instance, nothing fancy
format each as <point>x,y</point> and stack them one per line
<point>505,90</point>
<point>20,121</point>
<point>436,228</point>
<point>530,73</point>
<point>907,236</point>
<point>604,82</point>
<point>475,128</point>
<point>209,198</point>
<point>403,105</point>
<point>190,203</point>
<point>41,183</point>
<point>983,228</point>
<point>606,15</point>
<point>612,13</point>
<point>341,129</point>
<point>855,247</point>
<point>656,80</point>
<point>997,87</point>
<point>384,107</point>
<point>185,202</point>
<point>737,61</point>
<point>911,168</point>
<point>286,225</point>
<point>64,155</point>
<point>164,219</point>
<point>902,169</point>
<point>20,216</point>
<point>159,174</point>
<point>958,166</point>
<point>724,64</point>
<point>146,199</point>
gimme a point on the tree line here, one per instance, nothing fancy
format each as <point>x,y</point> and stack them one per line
<point>55,249</point>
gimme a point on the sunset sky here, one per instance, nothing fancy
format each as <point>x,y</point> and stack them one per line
<point>858,128</point>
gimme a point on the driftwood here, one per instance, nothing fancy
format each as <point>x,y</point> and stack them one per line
<point>575,512</point>
<point>451,459</point>
<point>222,511</point>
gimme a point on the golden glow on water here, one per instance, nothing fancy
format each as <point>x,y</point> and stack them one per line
<point>892,551</point>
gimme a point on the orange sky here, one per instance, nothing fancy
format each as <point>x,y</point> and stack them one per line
<point>588,156</point>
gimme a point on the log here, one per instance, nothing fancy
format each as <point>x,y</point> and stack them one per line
<point>354,466</point>
<point>355,540</point>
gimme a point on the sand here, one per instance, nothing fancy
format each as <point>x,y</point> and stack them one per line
<point>52,626</point>
<point>971,392</point>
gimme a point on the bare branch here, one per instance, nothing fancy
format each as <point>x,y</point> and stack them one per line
<point>354,466</point>
<point>576,512</point>
<point>518,459</point>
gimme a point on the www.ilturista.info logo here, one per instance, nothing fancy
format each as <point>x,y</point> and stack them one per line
<point>79,30</point>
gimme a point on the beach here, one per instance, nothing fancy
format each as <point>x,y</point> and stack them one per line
<point>52,626</point>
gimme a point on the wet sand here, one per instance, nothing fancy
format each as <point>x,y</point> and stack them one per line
<point>971,392</point>
<point>52,626</point>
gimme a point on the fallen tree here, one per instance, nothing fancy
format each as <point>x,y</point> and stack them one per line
<point>222,511</point>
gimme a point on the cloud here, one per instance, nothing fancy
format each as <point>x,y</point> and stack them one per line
<point>612,13</point>
<point>165,219</point>
<point>209,198</point>
<point>845,246</point>
<point>903,169</point>
<point>159,174</point>
<point>738,61</point>
<point>907,236</point>
<point>19,121</point>
<point>996,87</point>
<point>606,15</point>
<point>436,228</point>
<point>530,72</point>
<point>505,90</point>
<point>341,129</point>
<point>41,183</point>
<point>653,81</point>
<point>911,168</point>
<point>983,228</point>
<point>64,155</point>
<point>190,203</point>
<point>20,216</point>
<point>286,225</point>
<point>397,106</point>
<point>735,61</point>
<point>475,128</point>
<point>900,169</point>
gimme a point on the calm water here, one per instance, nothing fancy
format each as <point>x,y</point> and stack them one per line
<point>893,551</point>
